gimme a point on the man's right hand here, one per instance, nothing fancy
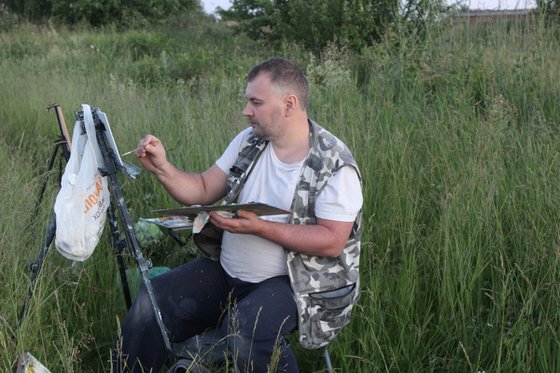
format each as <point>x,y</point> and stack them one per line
<point>151,154</point>
<point>188,188</point>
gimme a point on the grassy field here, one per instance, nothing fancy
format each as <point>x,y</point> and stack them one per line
<point>457,136</point>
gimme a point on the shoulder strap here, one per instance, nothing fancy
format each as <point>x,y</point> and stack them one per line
<point>243,167</point>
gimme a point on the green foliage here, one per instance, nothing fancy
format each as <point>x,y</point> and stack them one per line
<point>30,9</point>
<point>331,70</point>
<point>256,18</point>
<point>142,44</point>
<point>96,13</point>
<point>353,24</point>
<point>419,16</point>
<point>93,12</point>
<point>551,8</point>
<point>21,47</point>
<point>7,19</point>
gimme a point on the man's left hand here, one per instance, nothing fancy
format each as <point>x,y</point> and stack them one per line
<point>245,222</point>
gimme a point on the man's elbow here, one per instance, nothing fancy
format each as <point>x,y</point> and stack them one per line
<point>335,250</point>
<point>335,236</point>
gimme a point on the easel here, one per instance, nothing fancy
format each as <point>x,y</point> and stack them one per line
<point>117,211</point>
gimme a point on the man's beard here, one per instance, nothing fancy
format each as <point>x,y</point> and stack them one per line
<point>271,128</point>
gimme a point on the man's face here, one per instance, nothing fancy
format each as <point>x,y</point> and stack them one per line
<point>265,108</point>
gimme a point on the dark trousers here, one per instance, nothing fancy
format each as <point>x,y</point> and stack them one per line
<point>200,295</point>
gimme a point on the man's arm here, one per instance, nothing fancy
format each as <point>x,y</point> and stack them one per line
<point>326,238</point>
<point>339,202</point>
<point>186,187</point>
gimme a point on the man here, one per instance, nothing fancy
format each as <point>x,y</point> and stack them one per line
<point>256,292</point>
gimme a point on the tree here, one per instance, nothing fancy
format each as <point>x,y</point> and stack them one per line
<point>99,12</point>
<point>30,9</point>
<point>353,24</point>
<point>315,24</point>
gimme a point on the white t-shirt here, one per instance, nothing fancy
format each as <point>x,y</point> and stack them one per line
<point>254,259</point>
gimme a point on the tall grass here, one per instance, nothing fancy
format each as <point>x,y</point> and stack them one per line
<point>457,138</point>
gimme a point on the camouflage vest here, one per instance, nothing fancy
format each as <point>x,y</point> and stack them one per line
<point>325,288</point>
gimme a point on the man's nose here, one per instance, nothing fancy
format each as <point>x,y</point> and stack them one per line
<point>247,111</point>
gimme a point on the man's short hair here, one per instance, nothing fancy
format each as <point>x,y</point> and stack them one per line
<point>286,76</point>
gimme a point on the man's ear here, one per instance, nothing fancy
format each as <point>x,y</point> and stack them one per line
<point>291,104</point>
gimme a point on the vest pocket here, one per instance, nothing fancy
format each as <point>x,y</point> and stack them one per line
<point>333,297</point>
<point>327,313</point>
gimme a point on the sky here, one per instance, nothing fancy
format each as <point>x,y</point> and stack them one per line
<point>210,5</point>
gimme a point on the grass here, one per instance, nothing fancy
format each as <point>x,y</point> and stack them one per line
<point>456,136</point>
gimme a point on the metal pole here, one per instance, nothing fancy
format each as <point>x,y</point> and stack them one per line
<point>119,245</point>
<point>328,360</point>
<point>37,266</point>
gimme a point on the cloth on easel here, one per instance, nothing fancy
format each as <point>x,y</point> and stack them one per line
<point>82,202</point>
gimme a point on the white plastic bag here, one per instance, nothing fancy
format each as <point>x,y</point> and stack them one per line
<point>82,202</point>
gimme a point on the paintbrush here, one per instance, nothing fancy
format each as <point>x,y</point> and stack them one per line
<point>138,148</point>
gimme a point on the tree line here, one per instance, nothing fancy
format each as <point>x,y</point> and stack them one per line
<point>352,24</point>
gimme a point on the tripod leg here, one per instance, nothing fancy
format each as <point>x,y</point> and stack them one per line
<point>119,246</point>
<point>44,186</point>
<point>37,266</point>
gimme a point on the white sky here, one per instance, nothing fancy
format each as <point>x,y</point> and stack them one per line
<point>210,5</point>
